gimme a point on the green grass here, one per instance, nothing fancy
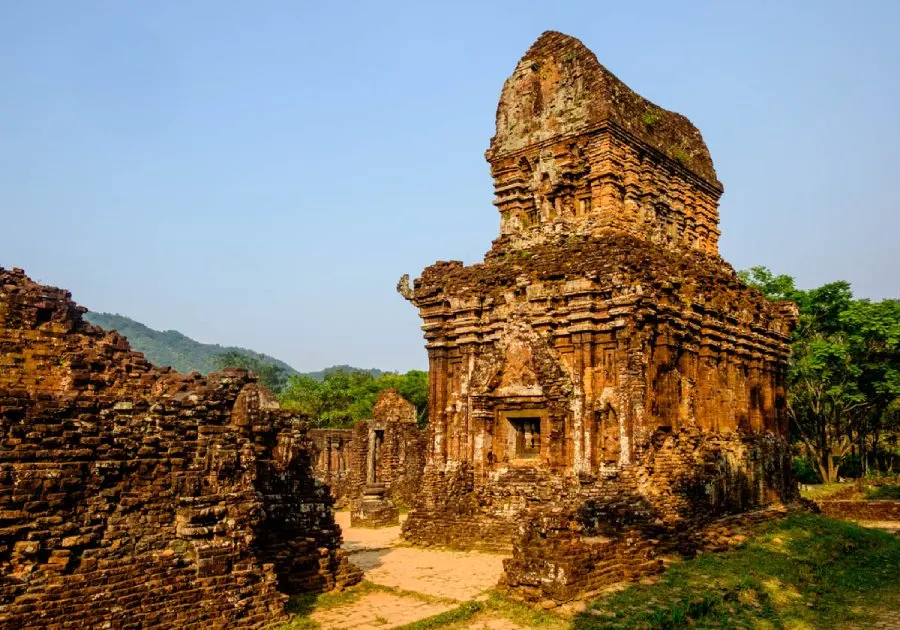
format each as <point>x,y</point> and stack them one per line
<point>302,605</point>
<point>467,614</point>
<point>821,490</point>
<point>806,571</point>
<point>650,118</point>
<point>461,614</point>
<point>888,492</point>
<point>457,618</point>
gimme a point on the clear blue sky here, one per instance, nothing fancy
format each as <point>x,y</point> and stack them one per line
<point>261,173</point>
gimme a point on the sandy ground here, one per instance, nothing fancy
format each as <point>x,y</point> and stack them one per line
<point>441,579</point>
<point>378,610</point>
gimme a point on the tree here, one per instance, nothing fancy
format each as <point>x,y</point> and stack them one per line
<point>774,287</point>
<point>344,397</point>
<point>271,376</point>
<point>844,374</point>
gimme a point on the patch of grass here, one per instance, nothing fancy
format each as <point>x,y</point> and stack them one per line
<point>301,606</point>
<point>304,603</point>
<point>806,571</point>
<point>523,615</point>
<point>821,490</point>
<point>649,119</point>
<point>888,492</point>
<point>461,614</point>
<point>468,613</point>
<point>680,156</point>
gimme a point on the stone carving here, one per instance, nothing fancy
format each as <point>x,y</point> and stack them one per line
<point>603,374</point>
<point>132,496</point>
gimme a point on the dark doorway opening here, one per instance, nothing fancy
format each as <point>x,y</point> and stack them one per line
<point>526,437</point>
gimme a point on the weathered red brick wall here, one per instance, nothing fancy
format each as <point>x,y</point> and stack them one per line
<point>137,497</point>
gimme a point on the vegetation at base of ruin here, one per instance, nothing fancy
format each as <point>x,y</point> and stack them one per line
<point>343,397</point>
<point>174,349</point>
<point>804,571</point>
<point>843,379</point>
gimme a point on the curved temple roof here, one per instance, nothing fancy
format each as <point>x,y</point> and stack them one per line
<point>559,89</point>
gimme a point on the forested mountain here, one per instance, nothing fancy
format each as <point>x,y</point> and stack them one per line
<point>321,374</point>
<point>172,348</point>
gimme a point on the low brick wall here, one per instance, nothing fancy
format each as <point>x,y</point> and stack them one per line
<point>861,510</point>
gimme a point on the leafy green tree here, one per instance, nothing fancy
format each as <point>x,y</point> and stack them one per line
<point>773,287</point>
<point>344,397</point>
<point>844,375</point>
<point>270,375</point>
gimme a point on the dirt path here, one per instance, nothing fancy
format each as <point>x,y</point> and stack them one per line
<point>419,583</point>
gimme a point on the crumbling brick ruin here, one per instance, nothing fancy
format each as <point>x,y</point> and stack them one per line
<point>331,451</point>
<point>603,380</point>
<point>136,497</point>
<point>387,450</point>
<point>391,456</point>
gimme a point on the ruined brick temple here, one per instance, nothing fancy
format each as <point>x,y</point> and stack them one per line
<point>386,452</point>
<point>603,380</point>
<point>137,497</point>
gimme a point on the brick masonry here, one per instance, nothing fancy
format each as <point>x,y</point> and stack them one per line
<point>137,497</point>
<point>603,376</point>
<point>341,454</point>
<point>861,510</point>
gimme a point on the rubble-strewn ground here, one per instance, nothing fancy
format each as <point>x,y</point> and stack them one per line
<point>805,571</point>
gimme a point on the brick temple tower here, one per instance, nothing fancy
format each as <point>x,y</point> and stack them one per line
<point>603,348</point>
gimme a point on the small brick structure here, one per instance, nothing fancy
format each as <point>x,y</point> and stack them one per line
<point>850,503</point>
<point>332,456</point>
<point>137,497</point>
<point>341,456</point>
<point>861,510</point>
<point>603,380</point>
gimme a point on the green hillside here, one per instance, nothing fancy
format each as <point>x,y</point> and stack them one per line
<point>321,374</point>
<point>171,348</point>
